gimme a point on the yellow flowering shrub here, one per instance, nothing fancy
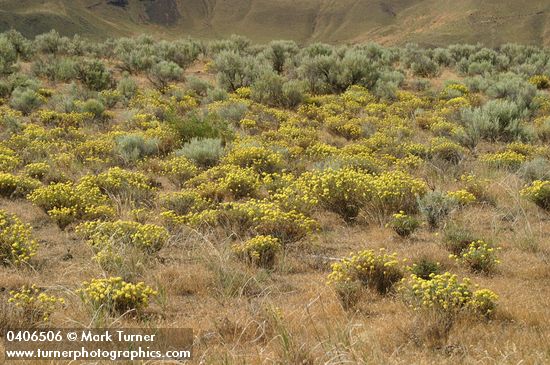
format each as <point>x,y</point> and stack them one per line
<point>147,237</point>
<point>167,138</point>
<point>525,149</point>
<point>114,295</point>
<point>63,120</point>
<point>345,127</point>
<point>67,202</point>
<point>477,187</point>
<point>110,97</point>
<point>319,150</point>
<point>16,186</point>
<point>130,185</point>
<point>462,197</point>
<point>8,161</point>
<point>16,243</point>
<point>7,113</point>
<point>540,81</point>
<point>479,256</point>
<point>445,129</point>
<point>179,169</point>
<point>363,161</point>
<point>394,191</point>
<point>248,124</point>
<point>120,245</point>
<point>509,160</point>
<point>342,191</point>
<point>447,150</point>
<point>452,89</point>
<point>100,149</point>
<point>444,293</point>
<point>426,120</point>
<point>347,191</point>
<point>260,159</point>
<point>243,92</point>
<point>261,217</point>
<point>183,202</point>
<point>37,170</point>
<point>538,192</point>
<point>376,271</point>
<point>226,182</point>
<point>259,250</point>
<point>33,304</point>
<point>404,225</point>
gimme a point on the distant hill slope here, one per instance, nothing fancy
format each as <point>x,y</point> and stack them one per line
<point>428,22</point>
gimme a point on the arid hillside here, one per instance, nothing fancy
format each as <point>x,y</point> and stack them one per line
<point>428,22</point>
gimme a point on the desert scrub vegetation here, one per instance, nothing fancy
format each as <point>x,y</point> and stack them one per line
<point>17,245</point>
<point>446,293</point>
<point>114,295</point>
<point>377,271</point>
<point>163,176</point>
<point>259,250</point>
<point>34,305</point>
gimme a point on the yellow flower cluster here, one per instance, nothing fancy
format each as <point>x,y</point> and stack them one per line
<point>110,97</point>
<point>377,271</point>
<point>538,192</point>
<point>8,159</point>
<point>243,92</point>
<point>37,170</point>
<point>444,293</point>
<point>345,127</point>
<point>183,202</point>
<point>540,81</point>
<point>260,159</point>
<point>445,129</point>
<point>445,149</point>
<point>507,160</point>
<point>395,190</point>
<point>116,296</point>
<point>258,217</point>
<point>248,124</point>
<point>121,183</point>
<point>403,224</point>
<point>63,120</point>
<point>260,250</point>
<point>179,169</point>
<point>147,237</point>
<point>16,244</point>
<point>98,150</point>
<point>67,202</point>
<point>13,186</point>
<point>475,186</point>
<point>347,191</point>
<point>34,304</point>
<point>462,197</point>
<point>453,89</point>
<point>479,256</point>
<point>239,183</point>
<point>158,103</point>
<point>342,191</point>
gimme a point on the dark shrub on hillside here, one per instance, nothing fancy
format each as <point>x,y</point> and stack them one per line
<point>93,74</point>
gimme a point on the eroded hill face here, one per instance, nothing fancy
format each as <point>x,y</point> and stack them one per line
<point>427,22</point>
